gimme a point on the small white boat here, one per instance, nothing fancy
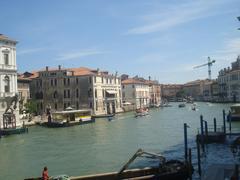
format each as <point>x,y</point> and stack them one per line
<point>141,112</point>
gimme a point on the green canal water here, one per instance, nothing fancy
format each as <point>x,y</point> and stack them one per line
<point>102,146</point>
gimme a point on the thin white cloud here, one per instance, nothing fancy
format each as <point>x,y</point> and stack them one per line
<point>79,54</point>
<point>29,51</point>
<point>174,16</point>
<point>229,52</point>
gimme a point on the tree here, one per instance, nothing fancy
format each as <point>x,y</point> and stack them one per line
<point>31,107</point>
<point>181,94</point>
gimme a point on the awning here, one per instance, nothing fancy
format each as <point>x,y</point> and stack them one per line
<point>111,92</point>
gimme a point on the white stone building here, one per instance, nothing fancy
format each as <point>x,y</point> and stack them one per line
<point>8,73</point>
<point>78,88</point>
<point>229,82</point>
<point>136,92</point>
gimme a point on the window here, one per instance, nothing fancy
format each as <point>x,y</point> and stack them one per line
<point>65,105</point>
<point>76,80</point>
<point>77,105</point>
<point>7,84</point>
<point>68,93</point>
<point>55,94</point>
<point>55,82</point>
<point>68,81</point>
<point>55,106</point>
<point>90,80</point>
<point>51,82</point>
<point>133,86</point>
<point>103,94</point>
<point>95,79</point>
<point>64,81</point>
<point>77,93</point>
<point>102,79</point>
<point>95,93</point>
<point>6,59</point>
<point>64,94</point>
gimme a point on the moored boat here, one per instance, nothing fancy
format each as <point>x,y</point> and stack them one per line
<point>235,112</point>
<point>69,118</point>
<point>181,105</point>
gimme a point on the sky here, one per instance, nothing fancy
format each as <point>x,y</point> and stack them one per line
<point>163,39</point>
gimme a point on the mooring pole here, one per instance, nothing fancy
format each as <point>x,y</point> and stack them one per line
<point>215,124</point>
<point>206,129</point>
<point>185,141</point>
<point>199,159</point>
<point>224,122</point>
<point>190,163</point>
<point>202,133</point>
<point>230,121</point>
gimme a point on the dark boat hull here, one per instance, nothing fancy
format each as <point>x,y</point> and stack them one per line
<point>61,125</point>
<point>104,116</point>
<point>6,132</point>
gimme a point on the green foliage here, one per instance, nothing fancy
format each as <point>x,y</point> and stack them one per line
<point>181,93</point>
<point>31,107</point>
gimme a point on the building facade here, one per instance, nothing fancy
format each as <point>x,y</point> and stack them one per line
<point>229,82</point>
<point>23,84</point>
<point>8,74</point>
<point>136,92</point>
<point>169,91</point>
<point>155,93</point>
<point>78,88</point>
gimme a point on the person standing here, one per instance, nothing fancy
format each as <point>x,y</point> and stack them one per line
<point>45,174</point>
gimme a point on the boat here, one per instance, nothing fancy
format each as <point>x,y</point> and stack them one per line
<point>235,112</point>
<point>194,107</point>
<point>181,105</point>
<point>10,131</point>
<point>104,116</point>
<point>167,170</point>
<point>141,112</point>
<point>69,118</point>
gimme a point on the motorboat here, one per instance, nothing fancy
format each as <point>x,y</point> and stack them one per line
<point>181,105</point>
<point>141,112</point>
<point>235,112</point>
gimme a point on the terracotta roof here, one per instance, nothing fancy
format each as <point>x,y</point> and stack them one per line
<point>133,81</point>
<point>5,38</point>
<point>82,71</point>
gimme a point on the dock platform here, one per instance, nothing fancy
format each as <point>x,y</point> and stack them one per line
<point>219,172</point>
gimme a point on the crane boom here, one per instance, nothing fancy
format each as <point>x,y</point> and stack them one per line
<point>209,64</point>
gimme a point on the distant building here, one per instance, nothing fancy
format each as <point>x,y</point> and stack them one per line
<point>155,92</point>
<point>229,82</point>
<point>8,74</point>
<point>201,90</point>
<point>169,91</point>
<point>136,92</point>
<point>23,83</point>
<point>77,88</point>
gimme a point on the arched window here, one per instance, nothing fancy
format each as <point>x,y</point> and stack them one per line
<point>55,94</point>
<point>7,84</point>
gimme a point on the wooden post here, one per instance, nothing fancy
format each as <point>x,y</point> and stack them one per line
<point>202,133</point>
<point>206,129</point>
<point>199,159</point>
<point>224,122</point>
<point>215,124</point>
<point>185,141</point>
<point>190,163</point>
<point>230,121</point>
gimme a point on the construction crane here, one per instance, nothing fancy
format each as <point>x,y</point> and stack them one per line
<point>209,64</point>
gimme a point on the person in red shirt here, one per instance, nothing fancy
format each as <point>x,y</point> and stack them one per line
<point>45,174</point>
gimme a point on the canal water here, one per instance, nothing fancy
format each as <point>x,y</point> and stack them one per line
<point>102,146</point>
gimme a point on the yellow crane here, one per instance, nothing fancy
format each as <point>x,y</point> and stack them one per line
<point>209,64</point>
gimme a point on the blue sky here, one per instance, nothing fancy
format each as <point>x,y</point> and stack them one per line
<point>163,39</point>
